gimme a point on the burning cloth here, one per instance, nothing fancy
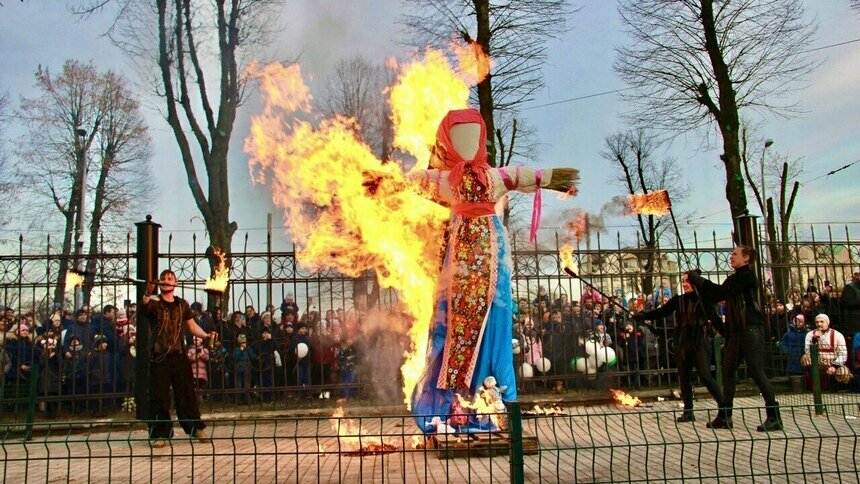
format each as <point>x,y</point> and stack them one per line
<point>470,333</point>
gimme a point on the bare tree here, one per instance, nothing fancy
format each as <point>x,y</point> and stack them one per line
<point>356,90</point>
<point>5,185</point>
<point>196,49</point>
<point>84,132</point>
<point>514,34</point>
<point>782,173</point>
<point>698,63</point>
<point>632,155</point>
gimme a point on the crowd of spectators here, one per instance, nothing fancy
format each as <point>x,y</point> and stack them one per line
<point>87,358</point>
<point>557,329</point>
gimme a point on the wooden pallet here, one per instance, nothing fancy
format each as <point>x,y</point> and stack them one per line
<point>483,444</point>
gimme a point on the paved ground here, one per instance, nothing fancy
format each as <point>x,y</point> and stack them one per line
<point>590,444</point>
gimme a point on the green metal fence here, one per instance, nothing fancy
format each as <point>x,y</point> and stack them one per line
<point>605,443</point>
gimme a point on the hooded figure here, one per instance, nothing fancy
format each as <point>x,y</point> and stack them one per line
<point>471,327</point>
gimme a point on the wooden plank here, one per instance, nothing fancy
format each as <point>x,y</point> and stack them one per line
<point>482,445</point>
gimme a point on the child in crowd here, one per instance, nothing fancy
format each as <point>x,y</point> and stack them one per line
<point>198,355</point>
<point>347,359</point>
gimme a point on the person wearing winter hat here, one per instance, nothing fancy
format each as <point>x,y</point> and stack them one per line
<point>121,319</point>
<point>832,349</point>
<point>793,343</point>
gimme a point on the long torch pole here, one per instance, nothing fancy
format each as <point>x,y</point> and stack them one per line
<point>570,272</point>
<point>677,232</point>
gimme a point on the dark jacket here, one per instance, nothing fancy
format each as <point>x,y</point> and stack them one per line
<point>739,291</point>
<point>792,345</point>
<point>691,317</point>
<point>850,308</point>
<point>98,368</point>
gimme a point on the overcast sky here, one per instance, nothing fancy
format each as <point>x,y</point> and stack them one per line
<point>320,32</point>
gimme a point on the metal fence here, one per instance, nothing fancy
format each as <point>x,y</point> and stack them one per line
<point>93,383</point>
<point>608,443</point>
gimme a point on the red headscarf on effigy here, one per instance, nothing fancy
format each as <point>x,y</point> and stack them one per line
<point>451,159</point>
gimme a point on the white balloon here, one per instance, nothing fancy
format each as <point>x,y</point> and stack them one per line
<point>516,344</point>
<point>610,356</point>
<point>600,356</point>
<point>581,364</point>
<point>543,365</point>
<point>591,367</point>
<point>526,371</point>
<point>591,347</point>
<point>301,350</point>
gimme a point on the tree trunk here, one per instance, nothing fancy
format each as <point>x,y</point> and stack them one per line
<point>70,215</point>
<point>648,268</point>
<point>95,228</point>
<point>65,252</point>
<point>485,89</point>
<point>778,257</point>
<point>735,190</point>
<point>726,113</point>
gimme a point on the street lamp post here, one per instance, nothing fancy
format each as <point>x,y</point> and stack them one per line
<point>79,228</point>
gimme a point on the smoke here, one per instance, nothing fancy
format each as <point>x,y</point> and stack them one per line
<point>619,206</point>
<point>383,341</point>
<point>579,225</point>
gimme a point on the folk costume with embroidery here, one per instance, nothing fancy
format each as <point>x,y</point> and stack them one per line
<point>470,334</point>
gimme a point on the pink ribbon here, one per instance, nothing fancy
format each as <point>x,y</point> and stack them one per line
<point>536,208</point>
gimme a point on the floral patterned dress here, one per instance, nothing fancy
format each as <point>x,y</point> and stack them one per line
<point>470,335</point>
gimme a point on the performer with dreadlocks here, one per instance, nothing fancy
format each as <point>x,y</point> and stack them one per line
<point>692,316</point>
<point>168,365</point>
<point>470,334</point>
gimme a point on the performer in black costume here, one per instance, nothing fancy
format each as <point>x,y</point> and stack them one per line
<point>744,334</point>
<point>168,365</point>
<point>691,321</point>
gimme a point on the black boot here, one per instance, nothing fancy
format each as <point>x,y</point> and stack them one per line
<point>687,416</point>
<point>723,420</point>
<point>773,421</point>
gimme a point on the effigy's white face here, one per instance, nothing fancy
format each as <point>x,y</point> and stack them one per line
<point>465,137</point>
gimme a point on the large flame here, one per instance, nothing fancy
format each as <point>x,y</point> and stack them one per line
<point>346,209</point>
<point>654,203</point>
<point>426,90</point>
<point>221,274</point>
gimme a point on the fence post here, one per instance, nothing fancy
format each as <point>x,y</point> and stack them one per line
<point>31,402</point>
<point>516,424</point>
<point>816,381</point>
<point>147,270</point>
<point>718,359</point>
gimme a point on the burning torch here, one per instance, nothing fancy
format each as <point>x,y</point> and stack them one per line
<point>657,203</point>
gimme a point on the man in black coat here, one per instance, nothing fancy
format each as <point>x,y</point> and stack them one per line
<point>744,332</point>
<point>692,316</point>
